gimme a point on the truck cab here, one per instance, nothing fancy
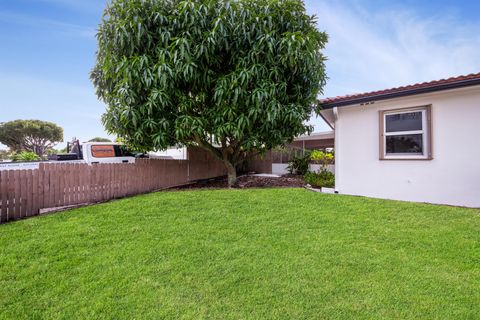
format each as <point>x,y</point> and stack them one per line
<point>95,152</point>
<point>88,152</point>
<point>106,152</point>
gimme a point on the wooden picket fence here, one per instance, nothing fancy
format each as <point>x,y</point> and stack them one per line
<point>25,193</point>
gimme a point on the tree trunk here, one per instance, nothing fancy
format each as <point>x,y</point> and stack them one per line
<point>232,174</point>
<point>229,160</point>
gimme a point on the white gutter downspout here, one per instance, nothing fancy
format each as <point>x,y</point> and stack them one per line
<point>337,149</point>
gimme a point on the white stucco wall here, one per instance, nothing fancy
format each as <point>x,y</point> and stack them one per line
<point>452,177</point>
<point>281,168</point>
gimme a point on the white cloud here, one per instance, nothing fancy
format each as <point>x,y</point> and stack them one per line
<point>373,50</point>
<point>54,25</point>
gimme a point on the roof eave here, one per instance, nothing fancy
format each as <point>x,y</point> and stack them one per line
<point>408,92</point>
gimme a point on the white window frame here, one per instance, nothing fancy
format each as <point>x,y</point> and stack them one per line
<point>425,132</point>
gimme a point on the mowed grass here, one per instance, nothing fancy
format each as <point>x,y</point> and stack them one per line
<point>243,254</point>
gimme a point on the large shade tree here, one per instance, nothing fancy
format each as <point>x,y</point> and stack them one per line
<point>228,76</point>
<point>30,135</point>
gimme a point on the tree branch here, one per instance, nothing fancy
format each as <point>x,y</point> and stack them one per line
<point>207,146</point>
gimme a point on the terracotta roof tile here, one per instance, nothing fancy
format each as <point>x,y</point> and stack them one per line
<point>423,85</point>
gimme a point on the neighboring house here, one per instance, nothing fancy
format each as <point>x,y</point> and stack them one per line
<point>316,140</point>
<point>178,153</point>
<point>415,143</point>
<point>299,146</point>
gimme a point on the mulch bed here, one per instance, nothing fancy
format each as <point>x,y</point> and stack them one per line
<point>248,181</point>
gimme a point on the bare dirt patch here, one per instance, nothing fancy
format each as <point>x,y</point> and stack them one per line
<point>248,181</point>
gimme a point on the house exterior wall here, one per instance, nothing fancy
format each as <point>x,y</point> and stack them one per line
<point>453,175</point>
<point>282,168</point>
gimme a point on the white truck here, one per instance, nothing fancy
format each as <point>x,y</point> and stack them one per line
<point>88,152</point>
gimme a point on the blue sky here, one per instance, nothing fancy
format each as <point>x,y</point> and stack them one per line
<point>48,48</point>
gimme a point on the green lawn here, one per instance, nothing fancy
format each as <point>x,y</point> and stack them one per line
<point>243,254</point>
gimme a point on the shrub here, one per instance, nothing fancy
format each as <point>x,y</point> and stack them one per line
<point>4,155</point>
<point>321,157</point>
<point>323,178</point>
<point>25,156</point>
<point>299,164</point>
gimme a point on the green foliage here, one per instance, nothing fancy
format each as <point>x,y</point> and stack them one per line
<point>228,76</point>
<point>323,178</point>
<point>25,156</point>
<point>56,151</point>
<point>4,154</point>
<point>299,164</point>
<point>99,139</point>
<point>243,254</point>
<point>321,156</point>
<point>30,135</point>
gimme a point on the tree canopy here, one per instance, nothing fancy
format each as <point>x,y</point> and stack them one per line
<point>228,76</point>
<point>4,154</point>
<point>30,135</point>
<point>99,139</point>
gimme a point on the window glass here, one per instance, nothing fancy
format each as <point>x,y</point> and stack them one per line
<point>408,143</point>
<point>103,151</point>
<point>122,151</point>
<point>408,121</point>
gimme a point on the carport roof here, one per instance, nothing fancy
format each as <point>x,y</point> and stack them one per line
<point>317,136</point>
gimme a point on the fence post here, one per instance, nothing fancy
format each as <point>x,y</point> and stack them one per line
<point>40,187</point>
<point>4,196</point>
